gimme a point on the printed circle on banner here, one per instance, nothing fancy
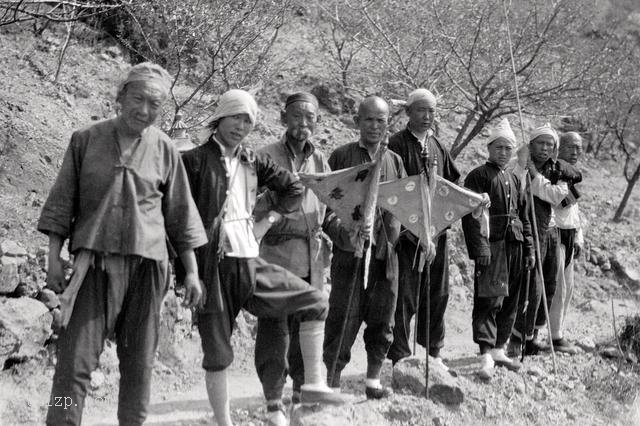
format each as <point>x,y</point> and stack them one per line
<point>393,200</point>
<point>473,202</point>
<point>410,186</point>
<point>413,218</point>
<point>443,190</point>
<point>449,216</point>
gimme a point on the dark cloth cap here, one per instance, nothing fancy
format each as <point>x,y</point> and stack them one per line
<point>301,97</point>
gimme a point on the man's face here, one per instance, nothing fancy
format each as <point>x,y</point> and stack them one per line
<point>140,104</point>
<point>372,121</point>
<point>301,118</point>
<point>421,115</point>
<point>232,130</point>
<point>542,148</point>
<point>500,151</point>
<point>570,151</point>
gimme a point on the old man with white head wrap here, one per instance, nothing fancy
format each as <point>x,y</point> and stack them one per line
<point>502,261</point>
<point>415,144</point>
<point>549,185</point>
<point>121,194</point>
<point>225,176</point>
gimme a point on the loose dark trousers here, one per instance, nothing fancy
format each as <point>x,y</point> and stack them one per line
<point>135,319</point>
<point>438,286</point>
<point>535,317</point>
<point>267,291</point>
<point>493,317</point>
<point>374,305</point>
<point>278,354</point>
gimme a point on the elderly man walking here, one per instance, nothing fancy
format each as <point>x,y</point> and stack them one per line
<point>224,177</point>
<point>375,302</point>
<point>567,216</point>
<point>503,259</point>
<point>414,145</point>
<point>120,194</point>
<point>296,243</point>
<point>549,179</point>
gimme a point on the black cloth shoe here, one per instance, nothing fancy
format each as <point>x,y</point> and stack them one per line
<point>562,345</point>
<point>378,393</point>
<point>533,347</point>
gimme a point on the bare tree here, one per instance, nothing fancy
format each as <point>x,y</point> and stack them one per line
<point>209,46</point>
<point>17,11</point>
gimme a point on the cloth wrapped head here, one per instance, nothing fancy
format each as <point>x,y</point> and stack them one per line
<point>301,97</point>
<point>233,102</point>
<point>545,130</point>
<point>149,72</point>
<point>421,95</point>
<point>502,130</point>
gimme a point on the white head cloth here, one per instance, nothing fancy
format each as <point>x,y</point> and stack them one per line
<point>502,130</point>
<point>421,95</point>
<point>545,130</point>
<point>236,101</point>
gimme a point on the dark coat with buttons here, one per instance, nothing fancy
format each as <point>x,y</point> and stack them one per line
<point>508,213</point>
<point>209,181</point>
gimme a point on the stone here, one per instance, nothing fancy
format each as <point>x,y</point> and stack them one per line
<point>97,379</point>
<point>12,249</point>
<point>587,344</point>
<point>25,324</point>
<point>408,376</point>
<point>606,265</point>
<point>8,277</point>
<point>610,352</point>
<point>49,298</point>
<point>624,272</point>
<point>536,371</point>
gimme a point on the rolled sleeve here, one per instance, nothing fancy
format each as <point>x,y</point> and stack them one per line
<point>546,191</point>
<point>182,221</point>
<point>61,207</point>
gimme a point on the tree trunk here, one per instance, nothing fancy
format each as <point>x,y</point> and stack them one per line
<point>482,120</point>
<point>627,194</point>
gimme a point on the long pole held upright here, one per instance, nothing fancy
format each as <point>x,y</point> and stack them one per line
<point>536,241</point>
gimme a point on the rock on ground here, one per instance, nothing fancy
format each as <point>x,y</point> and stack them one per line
<point>409,376</point>
<point>25,324</point>
<point>8,277</point>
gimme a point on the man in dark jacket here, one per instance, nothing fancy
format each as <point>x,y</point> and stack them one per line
<point>224,177</point>
<point>503,259</point>
<point>549,179</point>
<point>375,304</point>
<point>414,144</point>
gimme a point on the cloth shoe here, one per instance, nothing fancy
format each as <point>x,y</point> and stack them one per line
<point>378,393</point>
<point>439,362</point>
<point>276,415</point>
<point>502,360</point>
<point>562,345</point>
<point>514,349</point>
<point>322,394</point>
<point>485,372</point>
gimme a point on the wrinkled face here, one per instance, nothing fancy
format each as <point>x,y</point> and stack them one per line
<point>542,148</point>
<point>421,115</point>
<point>140,102</point>
<point>500,151</point>
<point>232,130</point>
<point>570,151</point>
<point>301,118</point>
<point>372,121</point>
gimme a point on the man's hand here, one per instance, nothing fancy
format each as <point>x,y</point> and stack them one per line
<point>577,249</point>
<point>363,232</point>
<point>483,260</point>
<point>532,169</point>
<point>193,290</point>
<point>55,275</point>
<point>530,262</point>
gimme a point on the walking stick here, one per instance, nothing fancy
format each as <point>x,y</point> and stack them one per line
<point>534,222</point>
<point>427,342</point>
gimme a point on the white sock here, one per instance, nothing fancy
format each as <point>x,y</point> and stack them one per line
<point>218,393</point>
<point>311,338</point>
<point>373,383</point>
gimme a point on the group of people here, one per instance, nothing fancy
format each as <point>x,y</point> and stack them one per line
<point>246,234</point>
